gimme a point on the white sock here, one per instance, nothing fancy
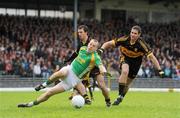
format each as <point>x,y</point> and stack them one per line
<point>44,84</point>
<point>30,104</point>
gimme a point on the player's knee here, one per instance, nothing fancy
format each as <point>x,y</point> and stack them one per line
<point>125,72</point>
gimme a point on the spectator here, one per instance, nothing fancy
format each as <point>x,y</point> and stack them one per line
<point>53,39</point>
<point>37,68</point>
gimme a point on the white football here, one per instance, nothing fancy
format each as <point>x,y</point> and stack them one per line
<point>78,101</point>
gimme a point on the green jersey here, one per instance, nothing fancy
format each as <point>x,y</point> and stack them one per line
<point>85,62</point>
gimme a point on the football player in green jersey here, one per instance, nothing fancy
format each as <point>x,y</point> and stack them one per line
<point>71,75</point>
<point>84,39</point>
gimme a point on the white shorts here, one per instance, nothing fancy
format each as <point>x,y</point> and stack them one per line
<point>70,80</point>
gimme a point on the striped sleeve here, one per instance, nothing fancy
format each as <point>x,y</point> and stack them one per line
<point>119,41</point>
<point>146,49</point>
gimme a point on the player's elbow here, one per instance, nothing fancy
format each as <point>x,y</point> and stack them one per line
<point>107,45</point>
<point>150,56</point>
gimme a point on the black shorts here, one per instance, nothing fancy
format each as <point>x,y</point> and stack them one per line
<point>134,66</point>
<point>94,72</point>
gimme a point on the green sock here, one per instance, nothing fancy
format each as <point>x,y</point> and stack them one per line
<point>48,82</point>
<point>35,102</point>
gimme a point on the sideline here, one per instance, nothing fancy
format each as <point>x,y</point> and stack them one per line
<point>131,89</point>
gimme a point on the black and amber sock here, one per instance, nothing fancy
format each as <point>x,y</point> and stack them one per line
<point>87,100</point>
<point>85,96</point>
<point>125,91</point>
<point>90,92</point>
<point>107,100</point>
<point>122,87</point>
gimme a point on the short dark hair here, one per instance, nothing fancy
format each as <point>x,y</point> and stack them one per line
<point>138,28</point>
<point>84,27</point>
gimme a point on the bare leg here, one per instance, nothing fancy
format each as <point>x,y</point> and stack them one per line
<point>122,83</point>
<point>45,96</point>
<point>52,91</point>
<point>105,92</point>
<point>55,76</point>
<point>82,90</point>
<point>124,74</point>
<point>102,86</point>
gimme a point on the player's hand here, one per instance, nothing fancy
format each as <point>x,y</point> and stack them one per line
<point>100,51</point>
<point>161,74</point>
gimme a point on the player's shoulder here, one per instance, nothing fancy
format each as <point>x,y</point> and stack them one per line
<point>122,38</point>
<point>143,44</point>
<point>142,41</point>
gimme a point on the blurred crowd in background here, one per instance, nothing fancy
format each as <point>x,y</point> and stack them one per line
<point>40,45</point>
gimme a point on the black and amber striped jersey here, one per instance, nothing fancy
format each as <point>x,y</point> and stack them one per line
<point>80,44</point>
<point>132,51</point>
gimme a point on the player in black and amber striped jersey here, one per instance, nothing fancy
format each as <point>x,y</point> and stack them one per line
<point>132,48</point>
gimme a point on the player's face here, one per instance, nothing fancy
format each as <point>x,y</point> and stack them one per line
<point>82,34</point>
<point>134,34</point>
<point>92,46</point>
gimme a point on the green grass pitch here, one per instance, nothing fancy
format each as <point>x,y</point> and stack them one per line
<point>135,105</point>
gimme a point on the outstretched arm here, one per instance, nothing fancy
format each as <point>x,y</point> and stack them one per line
<point>109,44</point>
<point>156,63</point>
<point>154,60</point>
<point>71,58</point>
<point>74,54</point>
<point>106,45</point>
